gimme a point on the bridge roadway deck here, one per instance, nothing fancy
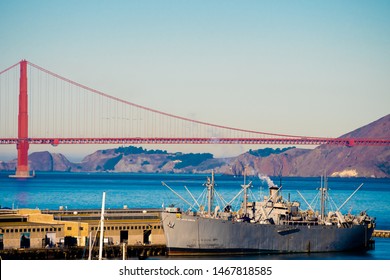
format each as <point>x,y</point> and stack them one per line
<point>207,140</point>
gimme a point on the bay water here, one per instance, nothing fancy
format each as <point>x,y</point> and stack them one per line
<point>52,190</point>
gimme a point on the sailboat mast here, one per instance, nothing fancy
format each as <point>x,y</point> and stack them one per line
<point>102,227</point>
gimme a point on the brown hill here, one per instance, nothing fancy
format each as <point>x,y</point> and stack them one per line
<point>338,161</point>
<point>359,161</point>
<point>45,161</point>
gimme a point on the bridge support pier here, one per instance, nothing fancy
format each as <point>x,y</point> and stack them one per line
<point>22,169</point>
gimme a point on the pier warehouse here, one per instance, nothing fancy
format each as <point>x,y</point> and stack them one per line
<point>32,228</point>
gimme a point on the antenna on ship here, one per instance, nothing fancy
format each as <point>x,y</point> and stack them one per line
<point>210,192</point>
<point>178,195</point>
<point>245,187</point>
<point>324,191</point>
<point>345,202</point>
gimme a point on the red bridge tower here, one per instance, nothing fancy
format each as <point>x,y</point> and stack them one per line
<point>22,169</point>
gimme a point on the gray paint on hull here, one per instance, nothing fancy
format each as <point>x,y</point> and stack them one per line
<point>198,234</point>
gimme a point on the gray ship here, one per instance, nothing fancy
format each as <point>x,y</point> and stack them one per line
<point>274,225</point>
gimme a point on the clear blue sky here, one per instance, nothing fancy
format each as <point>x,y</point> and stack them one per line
<point>317,68</point>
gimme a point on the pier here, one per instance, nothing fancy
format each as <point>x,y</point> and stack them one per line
<point>63,234</point>
<point>381,233</point>
<point>110,252</point>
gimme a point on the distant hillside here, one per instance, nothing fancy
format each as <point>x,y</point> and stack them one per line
<point>335,160</point>
<point>43,161</point>
<point>357,161</point>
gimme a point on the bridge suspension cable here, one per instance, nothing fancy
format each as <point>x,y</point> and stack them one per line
<point>62,111</point>
<point>146,109</point>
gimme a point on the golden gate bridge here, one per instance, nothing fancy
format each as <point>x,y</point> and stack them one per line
<point>54,110</point>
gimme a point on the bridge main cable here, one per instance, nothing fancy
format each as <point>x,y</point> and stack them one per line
<point>204,140</point>
<point>160,112</point>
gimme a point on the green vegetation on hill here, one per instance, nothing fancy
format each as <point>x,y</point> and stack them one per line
<point>135,150</point>
<point>190,159</point>
<point>110,164</point>
<point>268,151</point>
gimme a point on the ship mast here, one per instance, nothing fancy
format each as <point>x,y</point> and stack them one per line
<point>245,186</point>
<point>324,190</point>
<point>210,193</point>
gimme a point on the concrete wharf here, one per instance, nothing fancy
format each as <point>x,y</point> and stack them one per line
<point>381,233</point>
<point>110,252</point>
<point>66,234</point>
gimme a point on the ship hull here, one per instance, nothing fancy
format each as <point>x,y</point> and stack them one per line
<point>195,235</point>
